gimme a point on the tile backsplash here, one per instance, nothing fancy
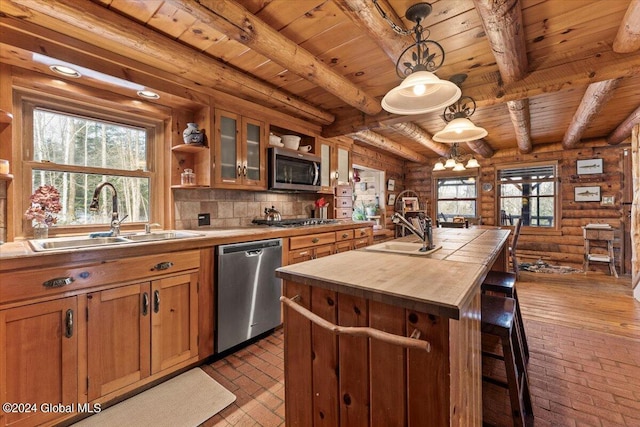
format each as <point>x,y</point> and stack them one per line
<point>234,208</point>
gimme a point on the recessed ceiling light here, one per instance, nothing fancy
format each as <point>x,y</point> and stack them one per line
<point>148,94</point>
<point>65,71</point>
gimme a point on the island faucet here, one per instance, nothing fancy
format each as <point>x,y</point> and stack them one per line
<point>426,232</point>
<point>115,220</point>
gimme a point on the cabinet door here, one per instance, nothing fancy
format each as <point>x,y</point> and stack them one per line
<point>228,163</point>
<point>174,321</point>
<point>39,358</point>
<point>344,165</point>
<point>253,162</point>
<point>326,166</point>
<point>325,250</point>
<point>118,338</point>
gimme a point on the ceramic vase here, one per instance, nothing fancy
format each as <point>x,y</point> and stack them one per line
<point>192,134</point>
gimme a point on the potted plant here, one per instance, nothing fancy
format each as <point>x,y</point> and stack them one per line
<point>371,209</point>
<point>45,202</point>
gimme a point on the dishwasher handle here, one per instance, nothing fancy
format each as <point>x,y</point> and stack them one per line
<point>256,252</point>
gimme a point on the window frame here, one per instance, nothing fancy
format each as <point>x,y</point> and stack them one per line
<point>557,197</point>
<point>27,102</point>
<point>466,174</point>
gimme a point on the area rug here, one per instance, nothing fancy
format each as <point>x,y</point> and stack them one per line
<point>542,267</point>
<point>186,400</point>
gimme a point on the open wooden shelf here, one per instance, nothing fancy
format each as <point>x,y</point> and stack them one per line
<point>189,148</point>
<point>5,117</point>
<point>6,177</point>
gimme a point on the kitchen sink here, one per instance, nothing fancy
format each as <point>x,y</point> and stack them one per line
<point>160,235</point>
<point>405,248</point>
<point>77,242</point>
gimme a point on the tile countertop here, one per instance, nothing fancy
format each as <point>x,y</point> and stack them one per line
<point>20,254</point>
<point>441,283</point>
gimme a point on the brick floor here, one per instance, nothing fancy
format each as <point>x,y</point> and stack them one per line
<point>578,378</point>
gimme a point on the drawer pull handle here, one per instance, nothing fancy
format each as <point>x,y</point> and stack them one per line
<point>156,301</point>
<point>58,282</point>
<point>410,342</point>
<point>345,235</point>
<point>69,324</point>
<point>145,304</point>
<point>162,266</point>
<point>315,240</point>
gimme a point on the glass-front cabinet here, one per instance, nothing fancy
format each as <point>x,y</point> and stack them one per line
<point>335,166</point>
<point>239,152</point>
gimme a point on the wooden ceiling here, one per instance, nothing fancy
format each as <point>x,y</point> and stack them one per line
<point>541,71</point>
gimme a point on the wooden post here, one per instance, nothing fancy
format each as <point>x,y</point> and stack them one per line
<point>635,212</point>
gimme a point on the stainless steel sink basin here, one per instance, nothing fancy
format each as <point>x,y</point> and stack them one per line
<point>405,248</point>
<point>74,242</point>
<point>60,243</point>
<point>160,235</point>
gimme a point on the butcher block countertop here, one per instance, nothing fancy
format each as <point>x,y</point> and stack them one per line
<point>441,283</point>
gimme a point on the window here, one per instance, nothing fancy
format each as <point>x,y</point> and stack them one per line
<point>457,196</point>
<point>529,194</point>
<point>75,153</point>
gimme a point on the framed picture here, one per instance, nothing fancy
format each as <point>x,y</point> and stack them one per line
<point>410,204</point>
<point>391,185</point>
<point>589,167</point>
<point>392,199</point>
<point>608,201</point>
<point>587,194</point>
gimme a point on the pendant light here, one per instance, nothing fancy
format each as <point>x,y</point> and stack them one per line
<point>421,91</point>
<point>459,128</point>
<point>455,161</point>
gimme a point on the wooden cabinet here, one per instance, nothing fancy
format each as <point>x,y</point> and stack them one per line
<point>335,163</point>
<point>140,330</point>
<point>190,156</point>
<point>363,236</point>
<point>93,331</point>
<point>343,202</point>
<point>312,246</point>
<point>39,359</point>
<point>240,152</point>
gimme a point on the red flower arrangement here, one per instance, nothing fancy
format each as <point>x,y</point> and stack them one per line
<point>321,203</point>
<point>45,202</point>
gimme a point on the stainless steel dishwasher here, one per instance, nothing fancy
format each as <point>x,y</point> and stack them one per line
<point>248,291</point>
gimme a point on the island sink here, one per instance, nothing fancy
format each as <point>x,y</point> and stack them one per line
<point>404,248</point>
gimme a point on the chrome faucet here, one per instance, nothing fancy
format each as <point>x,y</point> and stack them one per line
<point>426,232</point>
<point>115,220</point>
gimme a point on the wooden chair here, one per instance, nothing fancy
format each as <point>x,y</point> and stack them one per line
<point>512,248</point>
<point>447,224</point>
<point>505,218</point>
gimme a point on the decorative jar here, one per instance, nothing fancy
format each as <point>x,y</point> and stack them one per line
<point>192,134</point>
<point>40,231</point>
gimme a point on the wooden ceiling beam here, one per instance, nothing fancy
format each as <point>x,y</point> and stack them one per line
<point>595,97</point>
<point>416,133</point>
<point>101,27</point>
<point>502,22</point>
<point>521,119</point>
<point>481,147</point>
<point>379,141</point>
<point>623,131</point>
<point>628,38</point>
<point>239,24</point>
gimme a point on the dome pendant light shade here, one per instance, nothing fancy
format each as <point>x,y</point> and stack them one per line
<point>460,130</point>
<point>421,92</point>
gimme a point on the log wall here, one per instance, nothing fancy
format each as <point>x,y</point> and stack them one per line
<point>565,245</point>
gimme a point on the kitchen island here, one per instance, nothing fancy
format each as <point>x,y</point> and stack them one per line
<point>434,299</point>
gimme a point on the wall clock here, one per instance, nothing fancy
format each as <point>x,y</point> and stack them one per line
<point>487,186</point>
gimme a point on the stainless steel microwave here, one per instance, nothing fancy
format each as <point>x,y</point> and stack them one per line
<point>293,170</point>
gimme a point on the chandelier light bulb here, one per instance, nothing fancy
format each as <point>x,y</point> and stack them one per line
<point>459,167</point>
<point>419,89</point>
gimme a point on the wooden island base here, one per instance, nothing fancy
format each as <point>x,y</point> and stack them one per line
<point>353,381</point>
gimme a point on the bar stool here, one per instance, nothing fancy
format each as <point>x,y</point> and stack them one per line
<point>504,283</point>
<point>498,316</point>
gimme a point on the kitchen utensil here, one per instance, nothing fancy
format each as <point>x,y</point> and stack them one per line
<point>291,141</point>
<point>275,140</point>
<point>272,214</point>
<point>304,148</point>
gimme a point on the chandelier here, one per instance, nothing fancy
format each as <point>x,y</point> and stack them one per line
<point>455,161</point>
<point>459,128</point>
<point>421,91</point>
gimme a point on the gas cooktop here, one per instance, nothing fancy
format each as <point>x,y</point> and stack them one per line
<point>297,222</point>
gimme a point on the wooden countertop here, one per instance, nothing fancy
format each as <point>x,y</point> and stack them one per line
<point>441,283</point>
<point>14,255</point>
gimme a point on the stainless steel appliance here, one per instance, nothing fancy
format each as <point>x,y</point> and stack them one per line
<point>293,170</point>
<point>248,292</point>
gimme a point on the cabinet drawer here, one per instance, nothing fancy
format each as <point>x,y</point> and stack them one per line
<point>300,255</point>
<point>344,191</point>
<point>344,246</point>
<point>344,213</point>
<point>361,243</point>
<point>344,235</point>
<point>343,202</point>
<point>311,240</point>
<point>34,282</point>
<point>362,232</point>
